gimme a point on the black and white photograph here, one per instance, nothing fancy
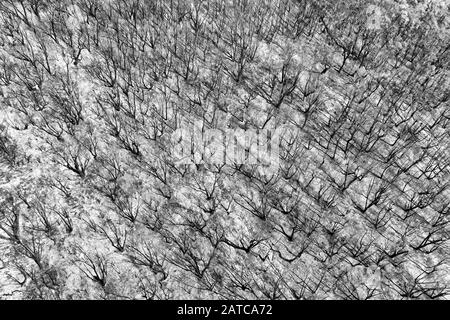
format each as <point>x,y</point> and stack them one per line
<point>224,150</point>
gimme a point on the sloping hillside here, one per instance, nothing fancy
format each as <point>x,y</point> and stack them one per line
<point>127,168</point>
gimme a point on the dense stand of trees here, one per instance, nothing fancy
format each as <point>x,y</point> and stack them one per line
<point>94,204</point>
